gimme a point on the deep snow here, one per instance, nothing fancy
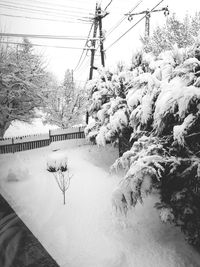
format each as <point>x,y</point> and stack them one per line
<point>86,232</point>
<point>20,128</point>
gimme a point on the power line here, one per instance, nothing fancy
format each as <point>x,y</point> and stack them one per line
<point>108,5</point>
<point>58,5</point>
<point>53,46</point>
<point>46,14</point>
<point>44,19</point>
<point>81,64</point>
<point>79,61</point>
<point>73,1</point>
<point>42,7</point>
<point>31,10</point>
<point>132,26</point>
<point>57,37</point>
<point>83,68</point>
<point>123,18</point>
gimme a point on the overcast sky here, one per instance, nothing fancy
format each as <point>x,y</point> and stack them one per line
<point>61,59</point>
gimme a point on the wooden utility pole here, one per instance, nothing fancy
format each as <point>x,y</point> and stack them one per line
<point>147,17</point>
<point>93,43</point>
<point>101,37</point>
<point>99,15</point>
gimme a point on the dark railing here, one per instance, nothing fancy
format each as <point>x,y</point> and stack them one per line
<point>17,144</point>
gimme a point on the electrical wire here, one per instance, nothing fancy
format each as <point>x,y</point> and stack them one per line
<point>56,37</point>
<point>73,1</point>
<point>63,11</point>
<point>58,5</point>
<point>49,15</point>
<point>83,68</point>
<point>53,46</point>
<point>31,10</point>
<point>123,18</point>
<point>108,5</point>
<point>79,61</point>
<point>44,19</point>
<point>132,26</point>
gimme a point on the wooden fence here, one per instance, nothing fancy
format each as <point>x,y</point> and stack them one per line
<point>17,144</point>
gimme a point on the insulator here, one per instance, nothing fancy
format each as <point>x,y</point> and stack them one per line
<point>166,11</point>
<point>130,18</point>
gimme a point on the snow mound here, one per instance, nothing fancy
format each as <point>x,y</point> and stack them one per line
<point>17,175</point>
<point>17,170</point>
<point>101,157</point>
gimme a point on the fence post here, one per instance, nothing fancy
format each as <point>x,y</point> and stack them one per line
<point>13,145</point>
<point>49,136</point>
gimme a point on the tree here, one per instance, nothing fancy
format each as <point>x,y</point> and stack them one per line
<point>21,84</point>
<point>195,23</point>
<point>66,103</point>
<point>181,33</point>
<point>161,105</point>
<point>59,167</point>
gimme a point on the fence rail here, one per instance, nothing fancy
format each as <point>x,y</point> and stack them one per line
<point>17,144</point>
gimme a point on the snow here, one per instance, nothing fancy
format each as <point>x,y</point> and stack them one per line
<point>66,131</point>
<point>174,95</point>
<point>30,138</point>
<point>18,171</point>
<point>86,232</point>
<point>57,160</point>
<point>118,120</point>
<point>134,97</point>
<point>166,215</point>
<point>18,128</point>
<point>6,142</point>
<point>179,131</point>
<point>101,137</point>
<point>146,108</point>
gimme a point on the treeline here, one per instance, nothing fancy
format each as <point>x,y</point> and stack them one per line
<point>182,33</point>
<point>26,87</point>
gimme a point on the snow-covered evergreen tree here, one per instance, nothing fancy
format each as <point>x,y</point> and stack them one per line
<point>182,33</point>
<point>158,98</point>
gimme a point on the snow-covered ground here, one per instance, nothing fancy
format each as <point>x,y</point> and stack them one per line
<point>19,128</point>
<point>86,232</point>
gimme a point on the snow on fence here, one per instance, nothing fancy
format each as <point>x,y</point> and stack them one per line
<point>17,144</point>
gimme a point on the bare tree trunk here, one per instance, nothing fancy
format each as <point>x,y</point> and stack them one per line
<point>2,132</point>
<point>3,127</point>
<point>124,141</point>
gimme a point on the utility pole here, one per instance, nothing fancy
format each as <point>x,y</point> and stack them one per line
<point>147,24</point>
<point>147,17</point>
<point>93,44</point>
<point>99,15</point>
<point>101,37</point>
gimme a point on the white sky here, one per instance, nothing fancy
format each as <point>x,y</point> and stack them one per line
<point>61,59</point>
